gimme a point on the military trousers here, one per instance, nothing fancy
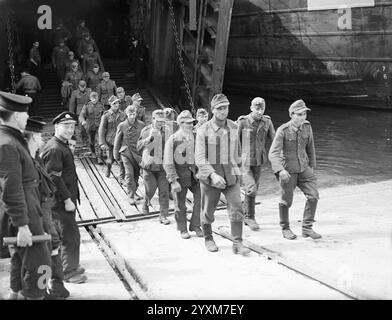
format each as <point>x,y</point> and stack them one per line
<point>70,238</point>
<point>132,174</point>
<point>30,270</point>
<point>180,206</point>
<point>305,180</point>
<point>210,197</point>
<point>251,179</point>
<point>154,180</point>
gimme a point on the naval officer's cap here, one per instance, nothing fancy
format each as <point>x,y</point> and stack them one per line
<point>35,124</point>
<point>14,102</point>
<point>65,117</point>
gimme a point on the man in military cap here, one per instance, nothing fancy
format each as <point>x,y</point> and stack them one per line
<point>84,43</point>
<point>59,56</point>
<point>106,88</point>
<point>29,85</point>
<point>70,83</point>
<point>90,59</point>
<point>180,170</point>
<point>107,132</point>
<point>90,119</point>
<point>141,112</point>
<point>125,100</point>
<point>59,163</point>
<point>94,77</point>
<point>218,157</point>
<point>68,62</point>
<point>20,205</point>
<point>125,150</point>
<point>151,143</point>
<point>254,130</point>
<point>293,160</point>
<point>201,117</point>
<point>33,136</point>
<point>171,117</point>
<point>79,98</point>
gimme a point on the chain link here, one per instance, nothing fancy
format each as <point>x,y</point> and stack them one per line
<point>10,50</point>
<point>181,61</point>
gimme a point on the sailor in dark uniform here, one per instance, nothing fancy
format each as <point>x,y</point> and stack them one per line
<point>33,136</point>
<point>254,130</point>
<point>20,205</point>
<point>59,163</point>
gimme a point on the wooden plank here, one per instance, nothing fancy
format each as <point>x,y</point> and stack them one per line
<point>92,194</point>
<point>117,191</point>
<point>86,212</point>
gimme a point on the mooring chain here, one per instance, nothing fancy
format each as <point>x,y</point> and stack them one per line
<point>10,51</point>
<point>179,51</point>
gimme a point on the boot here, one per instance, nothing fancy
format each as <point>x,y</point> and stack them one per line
<point>131,197</point>
<point>100,156</point>
<point>284,222</point>
<point>145,209</point>
<point>209,240</point>
<point>309,213</point>
<point>92,149</point>
<point>250,220</point>
<point>122,171</point>
<point>108,169</point>
<point>236,232</point>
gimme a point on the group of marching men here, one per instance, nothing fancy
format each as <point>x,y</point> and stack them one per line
<point>39,191</point>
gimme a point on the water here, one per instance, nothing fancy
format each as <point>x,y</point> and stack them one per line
<point>353,146</point>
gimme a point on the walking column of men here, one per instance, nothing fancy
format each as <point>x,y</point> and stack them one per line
<point>39,190</point>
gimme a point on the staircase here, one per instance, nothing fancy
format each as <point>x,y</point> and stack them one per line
<point>50,97</point>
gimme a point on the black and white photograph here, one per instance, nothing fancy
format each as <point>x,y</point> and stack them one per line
<point>196,155</point>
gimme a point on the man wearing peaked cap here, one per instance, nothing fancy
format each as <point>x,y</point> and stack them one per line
<point>125,149</point>
<point>33,136</point>
<point>107,133</point>
<point>20,205</point>
<point>65,117</point>
<point>141,112</point>
<point>201,117</point>
<point>181,174</point>
<point>254,130</point>
<point>219,171</point>
<point>293,160</point>
<point>151,144</point>
<point>60,165</point>
<point>106,88</point>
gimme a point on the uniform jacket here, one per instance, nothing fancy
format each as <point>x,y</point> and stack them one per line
<point>108,126</point>
<point>29,83</point>
<point>74,78</point>
<point>20,203</point>
<point>78,100</point>
<point>105,89</point>
<point>84,44</point>
<point>179,159</point>
<point>218,150</point>
<point>93,80</point>
<point>92,114</point>
<point>293,150</point>
<point>90,59</point>
<point>126,139</point>
<point>60,165</point>
<point>59,55</point>
<point>124,103</point>
<point>253,136</point>
<point>152,148</point>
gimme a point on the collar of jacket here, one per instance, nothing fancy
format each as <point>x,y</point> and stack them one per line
<point>13,132</point>
<point>61,141</point>
<point>229,124</point>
